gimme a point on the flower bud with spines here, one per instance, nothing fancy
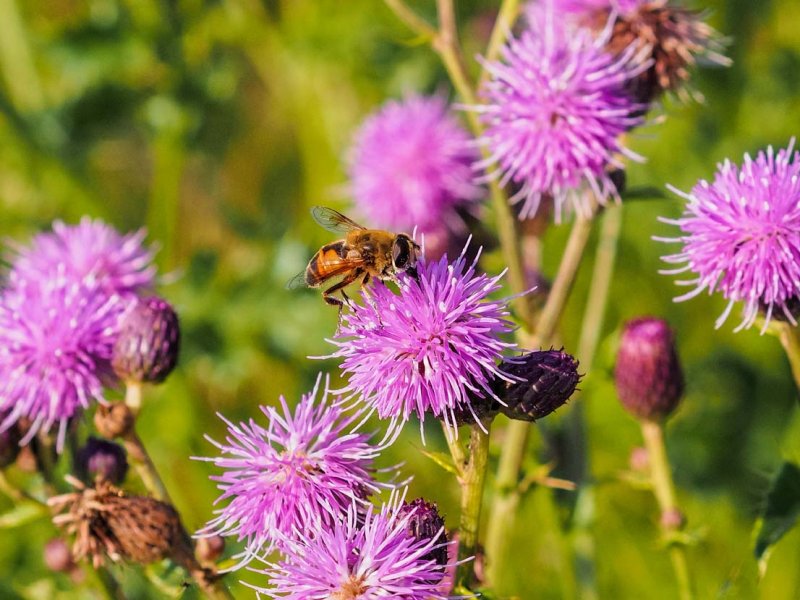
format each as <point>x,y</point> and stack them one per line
<point>648,373</point>
<point>425,523</point>
<point>146,349</point>
<point>540,383</point>
<point>101,460</point>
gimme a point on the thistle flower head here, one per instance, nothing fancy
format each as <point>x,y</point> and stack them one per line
<point>91,250</point>
<point>302,467</point>
<point>55,344</point>
<point>554,110</point>
<point>426,349</point>
<point>648,373</point>
<point>410,165</point>
<point>359,557</point>
<point>740,235</point>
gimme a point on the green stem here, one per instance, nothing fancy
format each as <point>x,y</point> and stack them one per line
<point>106,581</point>
<point>472,482</point>
<point>790,340</point>
<point>664,490</point>
<point>414,22</point>
<point>507,493</point>
<point>578,467</point>
<point>16,60</point>
<point>506,16</point>
<point>138,453</point>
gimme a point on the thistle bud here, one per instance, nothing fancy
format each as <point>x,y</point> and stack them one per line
<point>648,374</point>
<point>57,556</point>
<point>101,460</point>
<point>146,349</point>
<point>541,382</point>
<point>9,443</point>
<point>209,549</point>
<point>113,420</point>
<point>425,523</point>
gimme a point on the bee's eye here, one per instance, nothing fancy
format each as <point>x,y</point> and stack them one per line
<point>401,253</point>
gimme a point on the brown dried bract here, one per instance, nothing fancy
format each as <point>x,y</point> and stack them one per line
<point>108,523</point>
<point>676,35</point>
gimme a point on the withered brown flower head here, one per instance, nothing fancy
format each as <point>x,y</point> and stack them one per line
<point>677,37</point>
<point>108,523</point>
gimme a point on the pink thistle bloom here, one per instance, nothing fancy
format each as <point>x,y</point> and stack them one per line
<point>89,250</point>
<point>361,556</point>
<point>741,235</point>
<point>410,165</point>
<point>427,349</point>
<point>301,468</point>
<point>56,338</point>
<point>555,108</point>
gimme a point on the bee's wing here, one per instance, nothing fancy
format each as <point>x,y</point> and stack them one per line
<point>298,281</point>
<point>333,220</point>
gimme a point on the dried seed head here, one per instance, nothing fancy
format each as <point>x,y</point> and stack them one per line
<point>108,523</point>
<point>648,373</point>
<point>101,459</point>
<point>676,37</point>
<point>113,420</point>
<point>146,349</point>
<point>542,382</point>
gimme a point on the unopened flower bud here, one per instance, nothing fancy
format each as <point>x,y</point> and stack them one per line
<point>639,459</point>
<point>542,382</point>
<point>113,420</point>
<point>673,519</point>
<point>57,556</point>
<point>425,523</point>
<point>209,549</point>
<point>648,374</point>
<point>146,349</point>
<point>101,459</point>
<point>9,443</point>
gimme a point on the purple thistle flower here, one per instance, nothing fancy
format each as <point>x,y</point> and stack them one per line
<point>303,467</point>
<point>426,349</point>
<point>583,7</point>
<point>89,250</point>
<point>410,164</point>
<point>554,110</point>
<point>741,235</point>
<point>360,557</point>
<point>56,337</point>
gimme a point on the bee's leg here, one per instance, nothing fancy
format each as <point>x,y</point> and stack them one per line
<point>327,295</point>
<point>368,298</point>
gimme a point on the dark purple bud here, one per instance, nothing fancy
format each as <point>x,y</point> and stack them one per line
<point>101,460</point>
<point>648,374</point>
<point>58,557</point>
<point>542,382</point>
<point>9,443</point>
<point>425,523</point>
<point>149,338</point>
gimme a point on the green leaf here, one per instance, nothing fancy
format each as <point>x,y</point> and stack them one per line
<point>780,513</point>
<point>443,460</point>
<point>22,514</point>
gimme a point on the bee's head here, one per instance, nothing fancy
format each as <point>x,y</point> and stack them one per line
<point>404,252</point>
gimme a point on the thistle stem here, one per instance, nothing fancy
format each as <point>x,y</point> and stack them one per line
<point>664,490</point>
<point>578,465</point>
<point>507,493</point>
<point>790,340</point>
<point>473,477</point>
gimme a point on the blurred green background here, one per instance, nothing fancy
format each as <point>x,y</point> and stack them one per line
<point>216,124</point>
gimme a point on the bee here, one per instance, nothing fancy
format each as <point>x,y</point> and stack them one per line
<point>363,254</point>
